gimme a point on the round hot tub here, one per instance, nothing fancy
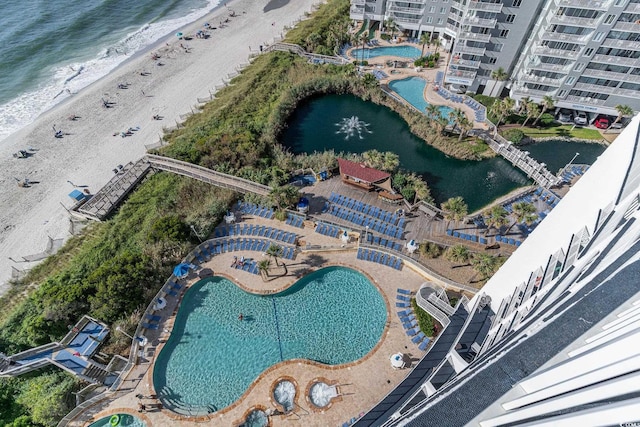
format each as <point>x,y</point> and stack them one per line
<point>321,394</point>
<point>284,393</point>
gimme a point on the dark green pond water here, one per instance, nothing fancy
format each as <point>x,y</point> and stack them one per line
<point>316,126</point>
<point>556,154</point>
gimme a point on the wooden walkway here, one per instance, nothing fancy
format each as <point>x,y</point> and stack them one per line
<point>312,57</point>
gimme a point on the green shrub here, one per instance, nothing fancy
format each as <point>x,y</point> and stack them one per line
<point>514,135</point>
<point>430,250</point>
<point>169,227</point>
<point>385,36</point>
<point>425,321</point>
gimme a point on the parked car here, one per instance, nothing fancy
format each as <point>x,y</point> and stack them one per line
<point>581,118</point>
<point>602,122</point>
<point>565,116</point>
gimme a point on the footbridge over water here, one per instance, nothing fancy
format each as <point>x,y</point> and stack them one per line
<point>312,57</point>
<point>113,193</point>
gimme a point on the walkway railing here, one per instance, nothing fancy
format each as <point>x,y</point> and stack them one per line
<point>313,57</point>
<point>209,176</point>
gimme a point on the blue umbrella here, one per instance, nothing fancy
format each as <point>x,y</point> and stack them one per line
<point>181,270</point>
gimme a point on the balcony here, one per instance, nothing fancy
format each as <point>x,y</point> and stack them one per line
<point>584,100</point>
<point>485,7</point>
<point>621,44</point>
<point>616,60</point>
<point>585,4</point>
<point>404,20</point>
<point>357,12</point>
<point>468,35</point>
<point>610,75</point>
<point>547,81</point>
<point>525,91</point>
<point>596,88</point>
<point>358,2</point>
<point>575,21</point>
<point>564,37</point>
<point>468,63</point>
<point>470,50</point>
<point>479,22</point>
<point>545,66</point>
<point>633,8</point>
<point>556,53</point>
<point>411,10</point>
<point>462,74</point>
<point>421,2</point>
<point>631,27</point>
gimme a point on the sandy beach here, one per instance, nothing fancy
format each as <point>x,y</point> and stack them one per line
<point>86,155</point>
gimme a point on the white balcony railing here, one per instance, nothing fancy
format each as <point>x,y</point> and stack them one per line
<point>525,91</point>
<point>633,8</point>
<point>470,50</point>
<point>574,21</point>
<point>544,66</point>
<point>596,88</point>
<point>468,35</point>
<point>584,100</point>
<point>460,73</point>
<point>479,22</point>
<point>610,75</point>
<point>622,44</point>
<point>617,60</point>
<point>557,53</point>
<point>411,10</point>
<point>585,4</point>
<point>565,37</point>
<point>546,81</point>
<point>486,7</point>
<point>631,27</point>
<point>468,63</point>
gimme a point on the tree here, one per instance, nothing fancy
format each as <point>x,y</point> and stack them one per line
<point>522,106</point>
<point>263,268</point>
<point>499,74</point>
<point>436,43</point>
<point>623,111</point>
<point>496,217</point>
<point>454,209</point>
<point>458,254</point>
<point>502,109</point>
<point>531,109</point>
<point>284,196</point>
<point>47,397</point>
<point>436,119</point>
<point>274,251</point>
<point>484,264</point>
<point>425,39</point>
<point>524,212</point>
<point>364,38</point>
<point>461,122</point>
<point>390,24</point>
<point>547,103</point>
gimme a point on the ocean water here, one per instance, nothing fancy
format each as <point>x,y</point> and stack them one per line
<point>51,49</point>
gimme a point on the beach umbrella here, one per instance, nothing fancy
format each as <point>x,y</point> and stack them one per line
<point>345,237</point>
<point>181,270</point>
<point>179,35</point>
<point>411,246</point>
<point>397,360</point>
<point>160,304</point>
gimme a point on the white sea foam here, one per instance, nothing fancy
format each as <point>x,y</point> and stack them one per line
<point>67,79</point>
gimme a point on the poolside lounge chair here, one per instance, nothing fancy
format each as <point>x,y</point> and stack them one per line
<point>402,304</point>
<point>152,317</point>
<point>423,345</point>
<point>408,319</point>
<point>410,324</point>
<point>418,338</point>
<point>412,332</point>
<point>405,313</point>
<point>403,298</point>
<point>403,291</point>
<point>150,325</point>
<point>172,293</point>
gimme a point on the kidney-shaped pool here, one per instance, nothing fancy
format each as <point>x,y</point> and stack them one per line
<point>333,316</point>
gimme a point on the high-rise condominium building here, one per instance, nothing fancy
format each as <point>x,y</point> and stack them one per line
<point>553,338</point>
<point>585,54</point>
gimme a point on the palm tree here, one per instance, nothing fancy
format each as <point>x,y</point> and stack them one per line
<point>531,109</point>
<point>484,264</point>
<point>524,212</point>
<point>497,217</point>
<point>454,209</point>
<point>502,109</point>
<point>458,254</point>
<point>522,106</point>
<point>547,104</point>
<point>436,44</point>
<point>461,122</point>
<point>284,196</point>
<point>623,111</point>
<point>499,74</point>
<point>421,188</point>
<point>274,251</point>
<point>390,24</point>
<point>364,38</point>
<point>263,268</point>
<point>425,39</point>
<point>436,119</point>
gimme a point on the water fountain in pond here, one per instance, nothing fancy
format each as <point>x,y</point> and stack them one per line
<point>285,394</point>
<point>321,394</point>
<point>350,126</point>
<point>256,418</point>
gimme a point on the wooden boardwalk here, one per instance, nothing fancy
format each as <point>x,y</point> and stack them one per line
<point>312,57</point>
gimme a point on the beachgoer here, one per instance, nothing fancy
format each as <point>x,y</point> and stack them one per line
<point>76,353</point>
<point>241,317</point>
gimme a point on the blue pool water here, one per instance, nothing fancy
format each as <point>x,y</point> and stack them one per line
<point>412,89</point>
<point>126,420</point>
<point>333,316</point>
<point>409,52</point>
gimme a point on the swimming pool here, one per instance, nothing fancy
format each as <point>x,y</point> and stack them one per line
<point>412,90</point>
<point>125,420</point>
<point>408,52</point>
<point>334,316</point>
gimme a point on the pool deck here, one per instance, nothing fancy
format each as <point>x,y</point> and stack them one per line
<point>358,388</point>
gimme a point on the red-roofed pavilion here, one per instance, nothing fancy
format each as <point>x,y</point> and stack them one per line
<point>364,177</point>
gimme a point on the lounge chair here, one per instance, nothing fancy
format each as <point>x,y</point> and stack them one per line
<point>402,304</point>
<point>405,313</point>
<point>152,317</point>
<point>403,298</point>
<point>408,319</point>
<point>412,332</point>
<point>423,345</point>
<point>418,338</point>
<point>172,293</point>
<point>403,291</point>
<point>410,324</point>
<point>150,325</point>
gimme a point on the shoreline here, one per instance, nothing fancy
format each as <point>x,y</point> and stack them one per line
<point>88,151</point>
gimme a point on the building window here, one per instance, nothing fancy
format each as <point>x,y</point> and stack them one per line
<point>562,93</point>
<point>440,21</point>
<point>504,33</point>
<point>432,9</point>
<point>510,18</point>
<point>609,19</point>
<point>570,80</point>
<point>443,10</point>
<point>619,2</point>
<point>445,1</point>
<point>598,37</point>
<point>579,66</point>
<point>498,47</point>
<point>492,60</point>
<point>516,3</point>
<point>588,51</point>
<point>429,19</point>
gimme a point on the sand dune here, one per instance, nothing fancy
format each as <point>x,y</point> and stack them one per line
<point>88,151</point>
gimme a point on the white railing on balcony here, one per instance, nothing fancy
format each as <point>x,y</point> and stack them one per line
<point>583,100</point>
<point>356,10</point>
<point>565,37</point>
<point>525,91</point>
<point>470,50</point>
<point>558,53</point>
<point>596,88</point>
<point>358,2</point>
<point>547,81</point>
<point>545,66</point>
<point>617,60</point>
<point>403,19</point>
<point>468,35</point>
<point>633,8</point>
<point>412,10</point>
<point>627,26</point>
<point>574,21</point>
<point>422,2</point>
<point>465,63</point>
<point>487,7</point>
<point>610,75</point>
<point>474,21</point>
<point>585,4</point>
<point>623,44</point>
<point>461,73</point>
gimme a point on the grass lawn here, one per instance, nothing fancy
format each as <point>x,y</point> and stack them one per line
<point>563,131</point>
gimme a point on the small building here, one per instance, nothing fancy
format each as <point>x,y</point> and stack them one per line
<point>364,177</point>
